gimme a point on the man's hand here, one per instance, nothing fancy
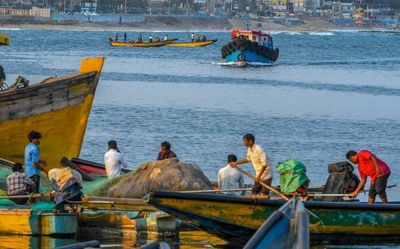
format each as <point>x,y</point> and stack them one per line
<point>354,194</point>
<point>258,178</point>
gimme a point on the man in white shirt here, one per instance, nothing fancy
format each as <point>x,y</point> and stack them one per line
<point>114,160</point>
<point>259,159</point>
<point>230,178</point>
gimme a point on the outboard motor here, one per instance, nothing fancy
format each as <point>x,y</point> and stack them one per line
<point>341,180</point>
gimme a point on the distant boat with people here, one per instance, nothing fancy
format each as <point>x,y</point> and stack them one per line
<point>4,39</point>
<point>193,44</point>
<point>250,47</point>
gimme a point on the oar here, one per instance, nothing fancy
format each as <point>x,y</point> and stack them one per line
<point>262,184</point>
<point>216,191</point>
<point>48,195</point>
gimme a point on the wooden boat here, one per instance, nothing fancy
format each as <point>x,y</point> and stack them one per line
<point>213,213</point>
<point>35,222</point>
<point>4,39</point>
<point>142,44</point>
<point>58,107</point>
<point>286,228</point>
<point>192,44</point>
<point>91,167</point>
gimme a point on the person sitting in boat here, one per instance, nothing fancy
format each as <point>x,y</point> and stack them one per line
<point>157,39</point>
<point>139,39</point>
<point>230,178</point>
<point>19,184</point>
<point>114,160</point>
<point>166,38</point>
<point>371,166</point>
<point>198,39</point>
<point>150,38</point>
<point>193,37</point>
<point>67,186</point>
<point>204,38</point>
<point>257,156</point>
<point>165,151</point>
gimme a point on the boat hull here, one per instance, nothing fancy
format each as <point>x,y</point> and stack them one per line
<point>249,56</point>
<point>58,108</point>
<point>141,45</point>
<point>192,44</point>
<point>28,222</point>
<point>92,168</point>
<point>214,213</point>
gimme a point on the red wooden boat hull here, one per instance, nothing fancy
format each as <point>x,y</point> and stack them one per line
<point>91,167</point>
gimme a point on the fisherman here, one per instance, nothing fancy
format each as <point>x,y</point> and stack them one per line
<point>116,37</point>
<point>166,38</point>
<point>32,162</point>
<point>114,160</point>
<point>67,184</point>
<point>139,39</point>
<point>259,159</point>
<point>165,151</point>
<point>230,178</point>
<point>193,37</point>
<point>19,184</point>
<point>371,166</point>
<point>150,38</point>
<point>157,39</point>
<point>204,38</point>
<point>125,36</point>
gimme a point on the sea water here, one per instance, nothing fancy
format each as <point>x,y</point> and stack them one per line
<point>327,93</point>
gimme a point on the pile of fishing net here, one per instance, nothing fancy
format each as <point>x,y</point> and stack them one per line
<point>170,174</point>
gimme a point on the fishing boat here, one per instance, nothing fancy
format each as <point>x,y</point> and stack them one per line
<point>250,47</point>
<point>141,44</point>
<point>214,213</point>
<point>25,221</point>
<point>57,107</point>
<point>4,39</point>
<point>90,167</point>
<point>193,44</point>
<point>286,228</point>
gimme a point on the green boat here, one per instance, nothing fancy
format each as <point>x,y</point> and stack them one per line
<point>233,217</point>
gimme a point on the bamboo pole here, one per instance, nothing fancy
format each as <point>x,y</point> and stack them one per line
<point>262,184</point>
<point>217,191</point>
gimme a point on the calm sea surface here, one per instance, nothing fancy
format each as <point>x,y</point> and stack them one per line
<point>329,92</point>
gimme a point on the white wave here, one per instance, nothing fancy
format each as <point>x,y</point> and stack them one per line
<point>321,33</point>
<point>10,29</point>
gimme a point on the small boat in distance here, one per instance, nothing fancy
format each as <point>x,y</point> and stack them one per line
<point>286,228</point>
<point>4,39</point>
<point>152,44</point>
<point>250,47</point>
<point>193,44</point>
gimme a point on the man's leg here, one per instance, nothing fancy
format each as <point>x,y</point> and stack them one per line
<point>372,194</point>
<point>380,185</point>
<point>36,180</point>
<point>256,189</point>
<point>265,191</point>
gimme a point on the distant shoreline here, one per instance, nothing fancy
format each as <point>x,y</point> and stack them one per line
<point>160,24</point>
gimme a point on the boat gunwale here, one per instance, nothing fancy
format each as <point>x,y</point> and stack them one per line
<point>272,203</point>
<point>46,83</point>
<point>208,42</point>
<point>142,44</point>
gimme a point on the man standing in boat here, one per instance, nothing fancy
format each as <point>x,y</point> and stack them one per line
<point>257,156</point>
<point>32,162</point>
<point>371,166</point>
<point>114,160</point>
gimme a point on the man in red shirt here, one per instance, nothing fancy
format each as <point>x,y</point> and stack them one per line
<point>370,166</point>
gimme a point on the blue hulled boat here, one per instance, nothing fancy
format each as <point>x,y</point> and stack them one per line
<point>250,46</point>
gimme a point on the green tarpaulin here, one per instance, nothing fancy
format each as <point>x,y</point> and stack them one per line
<point>292,175</point>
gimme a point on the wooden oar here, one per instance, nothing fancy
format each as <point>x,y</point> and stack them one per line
<point>262,184</point>
<point>217,190</point>
<point>48,195</point>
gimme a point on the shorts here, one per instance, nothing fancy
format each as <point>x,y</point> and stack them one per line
<point>257,188</point>
<point>36,180</point>
<point>379,188</point>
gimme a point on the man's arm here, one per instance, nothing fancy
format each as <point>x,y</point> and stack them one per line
<point>219,180</point>
<point>258,177</point>
<point>359,187</point>
<point>377,168</point>
<point>123,162</point>
<point>243,161</point>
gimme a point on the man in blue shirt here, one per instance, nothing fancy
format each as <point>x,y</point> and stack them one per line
<point>32,163</point>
